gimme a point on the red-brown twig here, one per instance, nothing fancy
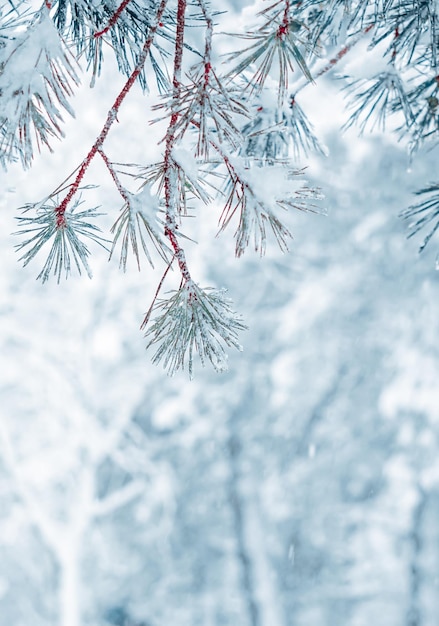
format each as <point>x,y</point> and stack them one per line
<point>113,19</point>
<point>111,117</point>
<point>157,291</point>
<point>208,42</point>
<point>170,174</point>
<point>121,189</point>
<point>340,54</point>
<point>285,26</point>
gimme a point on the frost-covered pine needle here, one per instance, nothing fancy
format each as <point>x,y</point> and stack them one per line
<point>208,108</point>
<point>193,320</point>
<point>275,131</point>
<point>272,41</point>
<point>424,214</point>
<point>261,196</point>
<point>35,83</point>
<point>139,221</point>
<point>67,249</point>
<point>373,100</point>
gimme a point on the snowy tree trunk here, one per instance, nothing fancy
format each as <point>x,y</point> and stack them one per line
<point>241,547</point>
<point>265,590</point>
<point>70,585</point>
<point>429,592</point>
<point>69,551</point>
<point>424,597</point>
<point>261,598</point>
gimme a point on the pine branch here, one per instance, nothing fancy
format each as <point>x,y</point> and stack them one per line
<point>170,170</point>
<point>113,19</point>
<point>111,117</point>
<point>204,141</point>
<point>342,53</point>
<point>205,105</point>
<point>35,83</point>
<point>64,226</point>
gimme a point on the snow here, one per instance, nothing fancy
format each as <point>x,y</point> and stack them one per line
<point>415,386</point>
<point>121,487</point>
<point>186,161</point>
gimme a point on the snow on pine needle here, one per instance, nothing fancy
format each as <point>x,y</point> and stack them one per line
<point>193,320</point>
<point>139,220</point>
<point>99,28</point>
<point>37,78</point>
<point>275,132</point>
<point>261,196</point>
<point>207,109</point>
<point>373,100</point>
<point>67,249</point>
<point>189,179</point>
<point>279,37</point>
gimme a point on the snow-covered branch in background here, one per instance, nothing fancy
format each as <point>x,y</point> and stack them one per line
<point>118,499</point>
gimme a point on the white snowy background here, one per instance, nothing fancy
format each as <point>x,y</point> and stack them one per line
<point>301,488</point>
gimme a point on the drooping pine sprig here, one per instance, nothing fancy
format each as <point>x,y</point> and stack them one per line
<point>67,249</point>
<point>257,207</point>
<point>373,101</point>
<point>193,321</point>
<point>139,222</point>
<point>276,132</point>
<point>278,41</point>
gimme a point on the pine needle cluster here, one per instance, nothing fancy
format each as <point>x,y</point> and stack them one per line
<point>234,131</point>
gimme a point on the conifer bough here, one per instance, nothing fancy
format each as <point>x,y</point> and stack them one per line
<point>224,135</point>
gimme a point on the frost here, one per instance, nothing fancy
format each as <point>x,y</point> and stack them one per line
<point>186,161</point>
<point>139,221</point>
<point>193,320</point>
<point>67,250</point>
<point>271,185</point>
<point>260,204</point>
<point>277,493</point>
<point>377,62</point>
<point>36,81</point>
